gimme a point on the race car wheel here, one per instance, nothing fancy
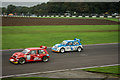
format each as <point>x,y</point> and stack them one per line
<point>62,50</point>
<point>45,59</point>
<point>79,49</point>
<point>21,61</point>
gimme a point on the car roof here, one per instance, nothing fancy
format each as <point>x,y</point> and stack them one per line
<point>69,40</point>
<point>35,48</point>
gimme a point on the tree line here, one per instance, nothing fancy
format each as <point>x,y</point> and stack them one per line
<point>60,8</point>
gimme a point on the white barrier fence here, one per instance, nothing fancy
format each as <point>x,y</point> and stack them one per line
<point>66,16</point>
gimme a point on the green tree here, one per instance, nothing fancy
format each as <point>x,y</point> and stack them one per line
<point>63,7</point>
<point>24,10</point>
<point>4,10</point>
<point>11,9</point>
<point>18,10</point>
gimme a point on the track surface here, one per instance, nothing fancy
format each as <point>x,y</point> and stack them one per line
<point>93,55</point>
<point>21,21</point>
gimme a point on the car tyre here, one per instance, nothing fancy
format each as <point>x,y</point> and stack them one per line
<point>45,59</point>
<point>21,61</point>
<point>62,50</point>
<point>79,49</point>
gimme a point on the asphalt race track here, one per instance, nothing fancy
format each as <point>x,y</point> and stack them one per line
<point>93,55</point>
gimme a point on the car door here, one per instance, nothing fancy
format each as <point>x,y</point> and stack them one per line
<point>37,56</point>
<point>75,45</point>
<point>40,54</point>
<point>31,55</point>
<point>69,46</point>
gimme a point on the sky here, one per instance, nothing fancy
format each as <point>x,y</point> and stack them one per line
<point>28,3</point>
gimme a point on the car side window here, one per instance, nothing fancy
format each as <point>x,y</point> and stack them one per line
<point>75,43</point>
<point>69,43</point>
<point>41,52</point>
<point>33,52</point>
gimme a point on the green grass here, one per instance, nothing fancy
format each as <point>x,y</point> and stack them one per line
<point>115,70</point>
<point>34,36</point>
<point>111,19</point>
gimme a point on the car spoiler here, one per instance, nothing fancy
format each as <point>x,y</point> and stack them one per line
<point>77,39</point>
<point>44,47</point>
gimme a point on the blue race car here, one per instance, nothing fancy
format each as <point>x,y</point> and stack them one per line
<point>68,45</point>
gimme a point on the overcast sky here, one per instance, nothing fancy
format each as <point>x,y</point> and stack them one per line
<point>35,2</point>
<point>4,4</point>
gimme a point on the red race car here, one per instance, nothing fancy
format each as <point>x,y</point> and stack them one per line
<point>30,54</point>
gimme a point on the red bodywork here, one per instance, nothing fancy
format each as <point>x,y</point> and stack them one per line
<point>40,53</point>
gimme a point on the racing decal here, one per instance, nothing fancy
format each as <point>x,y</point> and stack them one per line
<point>71,48</point>
<point>38,55</point>
<point>47,55</point>
<point>68,47</point>
<point>75,47</point>
<point>37,58</point>
<point>28,57</point>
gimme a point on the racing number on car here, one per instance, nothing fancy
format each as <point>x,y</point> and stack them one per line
<point>28,57</point>
<point>68,48</point>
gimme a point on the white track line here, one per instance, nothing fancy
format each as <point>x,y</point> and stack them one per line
<point>100,44</point>
<point>56,71</point>
<point>50,47</point>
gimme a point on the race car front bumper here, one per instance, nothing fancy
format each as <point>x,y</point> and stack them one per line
<point>13,60</point>
<point>55,50</point>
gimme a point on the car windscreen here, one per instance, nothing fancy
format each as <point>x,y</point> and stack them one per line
<point>25,51</point>
<point>64,43</point>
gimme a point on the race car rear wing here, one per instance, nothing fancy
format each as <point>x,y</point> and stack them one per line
<point>77,39</point>
<point>44,47</point>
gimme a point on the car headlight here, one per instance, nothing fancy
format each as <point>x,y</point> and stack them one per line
<point>11,59</point>
<point>55,47</point>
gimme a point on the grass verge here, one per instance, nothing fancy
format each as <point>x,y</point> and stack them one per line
<point>112,19</point>
<point>112,70</point>
<point>34,36</point>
